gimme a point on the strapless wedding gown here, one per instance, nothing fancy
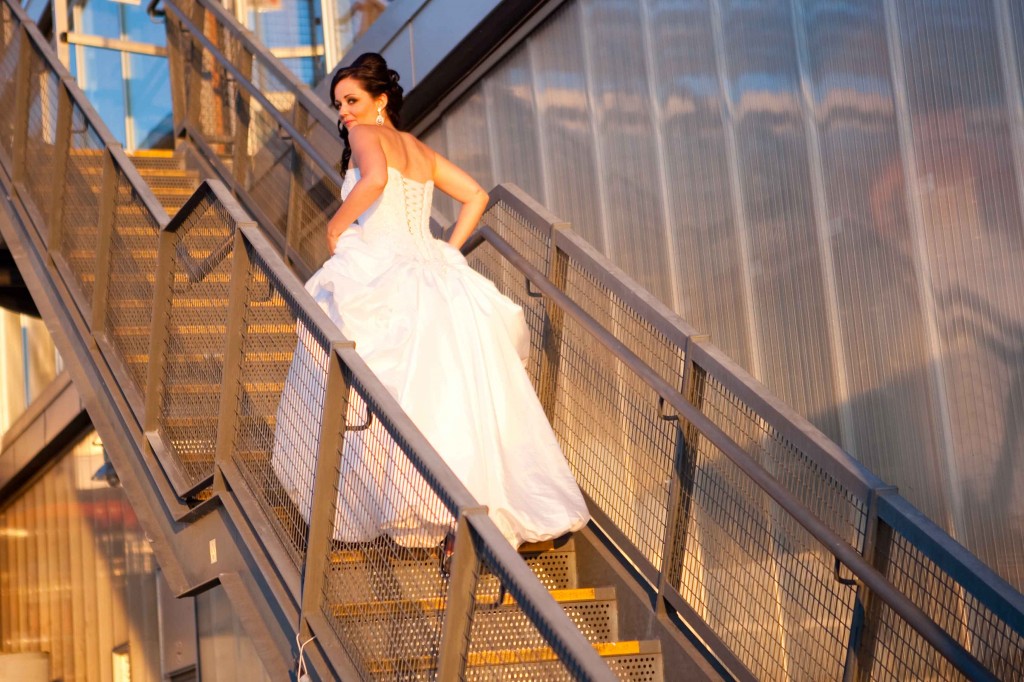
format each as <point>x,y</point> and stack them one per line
<point>450,347</point>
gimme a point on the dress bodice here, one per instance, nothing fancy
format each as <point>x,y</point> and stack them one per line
<point>401,214</point>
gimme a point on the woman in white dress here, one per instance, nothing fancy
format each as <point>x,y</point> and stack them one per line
<point>439,335</point>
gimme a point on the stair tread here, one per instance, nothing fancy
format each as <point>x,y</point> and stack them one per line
<point>499,657</point>
<point>427,604</point>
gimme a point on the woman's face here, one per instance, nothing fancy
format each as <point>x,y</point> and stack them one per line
<point>354,104</point>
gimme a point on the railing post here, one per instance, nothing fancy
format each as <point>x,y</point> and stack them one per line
<point>193,64</point>
<point>107,212</point>
<point>242,115</point>
<point>231,378</point>
<point>60,170</point>
<point>325,490</point>
<point>461,601</point>
<point>680,496</point>
<point>554,321</point>
<point>177,54</point>
<point>296,216</point>
<point>863,637</point>
<point>163,289</point>
<point>23,75</point>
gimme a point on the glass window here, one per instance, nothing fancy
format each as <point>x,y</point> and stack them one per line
<point>149,102</point>
<point>130,91</point>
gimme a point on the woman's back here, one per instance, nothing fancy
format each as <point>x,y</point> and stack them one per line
<point>410,157</point>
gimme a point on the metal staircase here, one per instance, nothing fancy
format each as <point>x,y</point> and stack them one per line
<point>719,513</point>
<point>154,297</point>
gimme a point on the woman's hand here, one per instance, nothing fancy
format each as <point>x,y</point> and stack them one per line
<point>333,236</point>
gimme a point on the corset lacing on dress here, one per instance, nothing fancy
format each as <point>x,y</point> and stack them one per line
<point>401,217</point>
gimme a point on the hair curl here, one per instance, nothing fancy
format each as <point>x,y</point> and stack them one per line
<point>373,74</point>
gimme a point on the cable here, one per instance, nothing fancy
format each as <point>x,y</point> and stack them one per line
<point>301,673</point>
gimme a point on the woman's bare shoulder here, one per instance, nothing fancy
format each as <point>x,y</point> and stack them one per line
<point>419,157</point>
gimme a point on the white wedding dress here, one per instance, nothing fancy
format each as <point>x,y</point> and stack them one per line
<point>450,347</point>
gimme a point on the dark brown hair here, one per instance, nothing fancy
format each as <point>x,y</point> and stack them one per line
<point>373,74</point>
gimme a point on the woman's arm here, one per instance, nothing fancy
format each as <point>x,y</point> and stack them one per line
<point>457,184</point>
<point>368,157</point>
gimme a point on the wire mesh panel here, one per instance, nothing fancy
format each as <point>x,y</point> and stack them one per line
<point>217,91</point>
<point>315,199</point>
<point>603,295</point>
<point>529,237</point>
<point>283,382</point>
<point>830,500</point>
<point>510,281</point>
<point>383,590</point>
<point>610,428</point>
<point>269,81</point>
<point>289,189</point>
<point>79,233</point>
<point>193,365</point>
<point>794,615</point>
<point>532,239</point>
<point>271,159</point>
<point>132,277</point>
<point>42,134</point>
<point>10,49</point>
<point>504,644</point>
<point>987,636</point>
<point>901,653</point>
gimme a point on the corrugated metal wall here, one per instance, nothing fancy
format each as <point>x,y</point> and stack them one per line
<point>831,188</point>
<point>77,576</point>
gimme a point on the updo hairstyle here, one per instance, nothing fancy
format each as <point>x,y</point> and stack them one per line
<point>373,74</point>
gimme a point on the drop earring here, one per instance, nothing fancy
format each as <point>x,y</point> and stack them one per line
<point>380,116</point>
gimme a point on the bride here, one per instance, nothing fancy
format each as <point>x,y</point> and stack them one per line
<point>438,335</point>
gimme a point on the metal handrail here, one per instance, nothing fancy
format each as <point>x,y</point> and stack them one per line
<point>242,81</point>
<point>313,104</point>
<point>868,575</point>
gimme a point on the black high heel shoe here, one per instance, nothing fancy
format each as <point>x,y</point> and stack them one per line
<point>444,555</point>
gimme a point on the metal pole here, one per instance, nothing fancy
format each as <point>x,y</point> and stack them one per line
<point>296,193</point>
<point>325,489</point>
<point>241,112</point>
<point>108,207</point>
<point>238,308</point>
<point>554,322</point>
<point>680,498</point>
<point>461,601</point>
<point>860,649</point>
<point>62,150</point>
<point>22,76</point>
<point>178,47</point>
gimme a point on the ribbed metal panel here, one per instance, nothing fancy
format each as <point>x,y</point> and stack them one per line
<point>76,572</point>
<point>831,188</point>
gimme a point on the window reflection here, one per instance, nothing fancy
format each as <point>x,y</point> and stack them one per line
<point>28,364</point>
